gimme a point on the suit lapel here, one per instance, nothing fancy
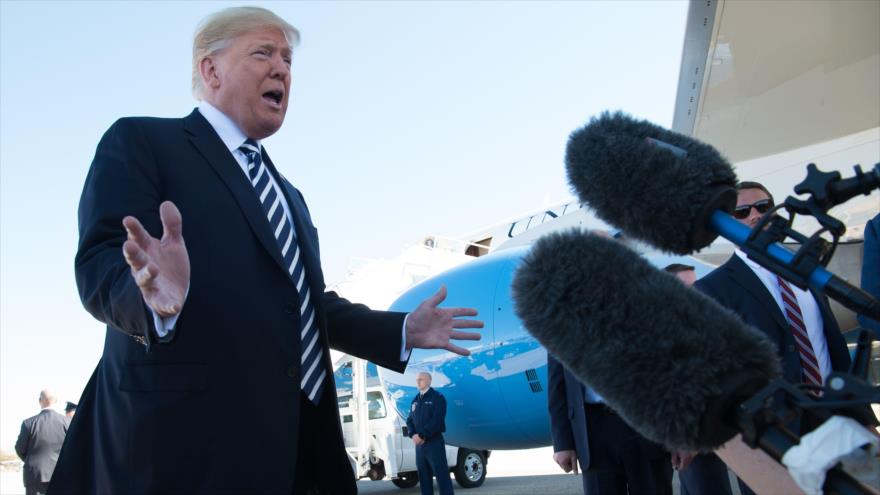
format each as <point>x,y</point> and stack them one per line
<point>209,144</point>
<point>745,277</point>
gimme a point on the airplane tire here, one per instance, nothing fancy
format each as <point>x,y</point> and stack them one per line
<point>470,470</point>
<point>406,480</point>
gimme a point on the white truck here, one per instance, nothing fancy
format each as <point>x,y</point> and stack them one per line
<point>376,437</point>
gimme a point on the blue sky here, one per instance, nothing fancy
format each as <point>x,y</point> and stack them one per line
<point>405,119</point>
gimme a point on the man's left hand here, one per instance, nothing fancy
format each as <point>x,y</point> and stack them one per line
<point>417,439</point>
<point>430,327</point>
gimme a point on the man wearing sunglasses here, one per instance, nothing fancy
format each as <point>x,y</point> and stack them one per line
<point>800,322</point>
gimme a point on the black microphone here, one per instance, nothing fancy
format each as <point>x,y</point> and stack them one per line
<point>676,193</point>
<point>671,361</point>
<point>654,184</point>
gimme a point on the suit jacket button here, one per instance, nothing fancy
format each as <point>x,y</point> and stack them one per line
<point>288,308</point>
<point>291,372</point>
<point>790,348</point>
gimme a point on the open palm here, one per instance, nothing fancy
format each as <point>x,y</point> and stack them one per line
<point>432,327</point>
<point>160,267</point>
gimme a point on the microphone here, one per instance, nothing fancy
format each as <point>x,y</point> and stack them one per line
<point>670,360</point>
<point>654,184</point>
<point>676,193</point>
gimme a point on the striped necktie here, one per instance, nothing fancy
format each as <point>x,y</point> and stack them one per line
<point>809,365</point>
<point>311,371</point>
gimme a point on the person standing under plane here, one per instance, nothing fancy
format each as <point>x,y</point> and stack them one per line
<point>698,474</point>
<point>237,314</point>
<point>615,459</point>
<point>39,443</point>
<point>426,424</point>
<point>871,268</point>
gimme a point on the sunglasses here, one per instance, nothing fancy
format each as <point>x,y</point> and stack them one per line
<point>763,206</point>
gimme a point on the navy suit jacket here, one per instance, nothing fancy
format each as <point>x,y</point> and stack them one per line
<point>224,388</point>
<point>427,416</point>
<point>736,286</point>
<point>871,268</point>
<point>38,445</point>
<point>568,422</point>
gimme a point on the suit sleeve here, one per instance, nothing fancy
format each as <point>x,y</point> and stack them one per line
<point>557,405</point>
<point>357,330</point>
<point>435,425</point>
<point>21,445</point>
<point>122,180</point>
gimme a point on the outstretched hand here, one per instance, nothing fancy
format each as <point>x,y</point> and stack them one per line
<point>430,327</point>
<point>159,267</point>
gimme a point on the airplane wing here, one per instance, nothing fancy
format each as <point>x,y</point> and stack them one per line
<point>775,85</point>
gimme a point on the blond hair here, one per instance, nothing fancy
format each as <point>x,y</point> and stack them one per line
<point>216,30</point>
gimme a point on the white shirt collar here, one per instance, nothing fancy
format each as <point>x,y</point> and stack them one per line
<point>758,269</point>
<point>228,131</point>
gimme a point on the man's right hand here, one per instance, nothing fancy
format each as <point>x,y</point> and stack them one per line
<point>567,460</point>
<point>159,267</point>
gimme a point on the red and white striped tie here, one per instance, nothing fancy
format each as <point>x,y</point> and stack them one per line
<point>809,364</point>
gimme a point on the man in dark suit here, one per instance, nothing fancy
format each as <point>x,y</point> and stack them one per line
<point>426,423</point>
<point>614,458</point>
<point>39,443</point>
<point>698,474</point>
<point>871,268</point>
<point>800,322</point>
<point>235,314</point>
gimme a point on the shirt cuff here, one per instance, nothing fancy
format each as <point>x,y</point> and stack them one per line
<point>404,353</point>
<point>164,326</point>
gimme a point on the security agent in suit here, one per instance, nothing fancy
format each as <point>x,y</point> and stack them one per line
<point>754,293</point>
<point>871,269</point>
<point>425,424</point>
<point>698,473</point>
<point>614,458</point>
<point>39,443</point>
<point>180,256</point>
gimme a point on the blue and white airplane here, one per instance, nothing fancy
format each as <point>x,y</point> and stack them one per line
<point>496,397</point>
<point>754,83</point>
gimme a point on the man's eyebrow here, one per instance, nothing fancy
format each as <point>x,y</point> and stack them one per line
<point>272,46</point>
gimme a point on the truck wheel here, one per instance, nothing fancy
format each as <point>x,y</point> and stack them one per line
<point>406,480</point>
<point>470,471</point>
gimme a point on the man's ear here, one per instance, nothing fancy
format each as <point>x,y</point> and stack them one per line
<point>210,72</point>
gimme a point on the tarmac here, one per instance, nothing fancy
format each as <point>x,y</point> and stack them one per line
<point>526,472</point>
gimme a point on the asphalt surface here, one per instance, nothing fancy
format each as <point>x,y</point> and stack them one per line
<point>548,484</point>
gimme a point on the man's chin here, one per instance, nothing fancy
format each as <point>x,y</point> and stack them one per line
<point>267,127</point>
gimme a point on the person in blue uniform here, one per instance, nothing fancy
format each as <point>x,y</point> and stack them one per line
<point>426,424</point>
<point>871,268</point>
